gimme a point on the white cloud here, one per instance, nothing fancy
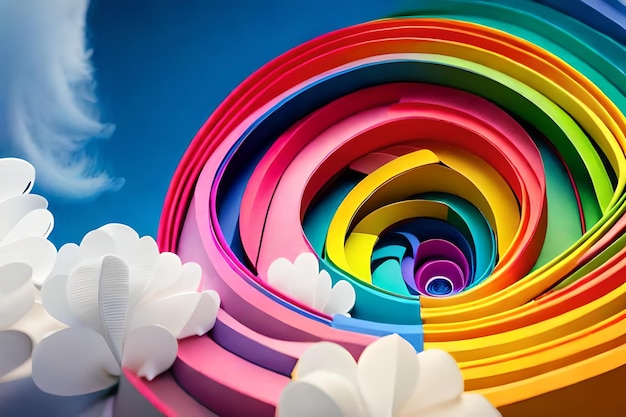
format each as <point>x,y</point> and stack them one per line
<point>48,112</point>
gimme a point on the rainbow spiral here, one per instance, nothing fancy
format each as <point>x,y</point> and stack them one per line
<point>463,167</point>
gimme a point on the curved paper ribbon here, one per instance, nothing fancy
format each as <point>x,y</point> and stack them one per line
<point>462,167</point>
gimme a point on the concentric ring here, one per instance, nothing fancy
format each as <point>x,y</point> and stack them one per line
<point>463,169</point>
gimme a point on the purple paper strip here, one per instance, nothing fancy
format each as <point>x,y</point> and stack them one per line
<point>439,272</point>
<point>439,249</point>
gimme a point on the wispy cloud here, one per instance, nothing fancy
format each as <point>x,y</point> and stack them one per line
<point>48,112</point>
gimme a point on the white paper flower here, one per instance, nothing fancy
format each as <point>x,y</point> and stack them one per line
<point>125,303</point>
<point>26,257</point>
<point>304,282</point>
<point>25,334</point>
<point>390,380</point>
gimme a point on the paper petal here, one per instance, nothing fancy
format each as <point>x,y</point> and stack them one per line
<point>54,299</point>
<point>467,405</point>
<point>16,177</point>
<point>387,375</point>
<point>15,349</point>
<point>113,301</point>
<point>323,288</point>
<point>171,312</point>
<point>188,279</point>
<point>35,223</point>
<point>14,209</point>
<point>95,244</point>
<point>74,361</point>
<point>82,294</point>
<point>37,323</point>
<point>305,275</point>
<point>37,252</point>
<point>306,264</point>
<point>342,298</point>
<point>17,293</point>
<point>440,380</point>
<point>166,273</point>
<point>329,357</point>
<point>280,274</point>
<point>321,393</point>
<point>149,351</point>
<point>475,405</point>
<point>66,259</point>
<point>124,237</point>
<point>203,317</point>
<point>142,260</point>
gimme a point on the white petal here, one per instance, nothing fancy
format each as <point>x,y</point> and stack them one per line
<point>113,301</point>
<point>342,298</point>
<point>304,289</point>
<point>142,259</point>
<point>475,405</point>
<point>323,288</point>
<point>321,393</point>
<point>82,294</point>
<point>14,209</point>
<point>15,349</point>
<point>37,323</point>
<point>95,244</point>
<point>326,356</point>
<point>306,272</point>
<point>171,312</point>
<point>203,317</point>
<point>149,351</point>
<point>36,223</point>
<point>280,274</point>
<point>17,293</point>
<point>387,375</point>
<point>54,299</point>
<point>74,361</point>
<point>124,237</point>
<point>37,252</point>
<point>166,272</point>
<point>187,280</point>
<point>467,405</point>
<point>440,380</point>
<point>16,177</point>
<point>306,264</point>
<point>67,258</point>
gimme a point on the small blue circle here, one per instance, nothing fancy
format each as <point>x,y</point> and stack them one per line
<point>439,286</point>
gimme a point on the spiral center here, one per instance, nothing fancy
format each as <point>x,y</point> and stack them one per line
<point>439,286</point>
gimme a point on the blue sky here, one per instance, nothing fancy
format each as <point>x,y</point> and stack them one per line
<point>160,69</point>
